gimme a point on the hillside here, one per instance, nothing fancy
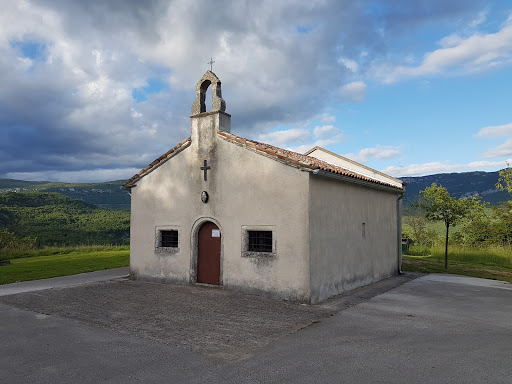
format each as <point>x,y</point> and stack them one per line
<point>58,220</point>
<point>112,195</point>
<point>458,185</point>
<point>108,195</point>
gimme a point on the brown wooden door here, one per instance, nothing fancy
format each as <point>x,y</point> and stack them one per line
<point>208,254</point>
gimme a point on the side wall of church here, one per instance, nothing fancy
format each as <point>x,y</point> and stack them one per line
<point>246,191</point>
<point>353,236</point>
<point>256,192</point>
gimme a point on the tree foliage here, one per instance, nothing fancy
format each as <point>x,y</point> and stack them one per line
<point>438,205</point>
<point>57,220</point>
<point>10,242</point>
<point>505,181</point>
<point>493,229</point>
<point>418,230</point>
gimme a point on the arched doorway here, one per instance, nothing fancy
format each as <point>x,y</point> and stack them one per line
<point>208,254</point>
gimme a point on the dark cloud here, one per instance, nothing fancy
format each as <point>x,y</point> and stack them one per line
<point>73,111</point>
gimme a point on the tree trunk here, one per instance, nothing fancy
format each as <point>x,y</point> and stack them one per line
<point>446,248</point>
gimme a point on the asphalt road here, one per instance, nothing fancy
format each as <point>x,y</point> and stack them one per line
<point>432,329</point>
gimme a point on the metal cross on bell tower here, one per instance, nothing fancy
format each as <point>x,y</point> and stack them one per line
<point>211,63</point>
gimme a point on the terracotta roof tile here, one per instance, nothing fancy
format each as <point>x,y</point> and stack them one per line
<point>279,154</point>
<point>298,159</point>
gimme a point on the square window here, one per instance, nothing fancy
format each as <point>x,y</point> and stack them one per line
<point>169,239</point>
<point>259,241</point>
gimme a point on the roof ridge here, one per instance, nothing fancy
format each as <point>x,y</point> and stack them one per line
<point>279,154</point>
<point>299,158</point>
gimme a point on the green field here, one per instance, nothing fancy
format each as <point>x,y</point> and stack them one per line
<point>53,262</point>
<point>489,262</point>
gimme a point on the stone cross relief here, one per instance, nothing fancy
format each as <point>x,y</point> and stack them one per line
<point>205,168</point>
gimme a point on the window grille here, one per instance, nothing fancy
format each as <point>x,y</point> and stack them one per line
<point>169,239</point>
<point>260,241</point>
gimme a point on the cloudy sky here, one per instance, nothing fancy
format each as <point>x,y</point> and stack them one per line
<point>95,90</point>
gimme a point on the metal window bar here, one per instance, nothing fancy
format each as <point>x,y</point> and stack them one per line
<point>169,239</point>
<point>260,241</point>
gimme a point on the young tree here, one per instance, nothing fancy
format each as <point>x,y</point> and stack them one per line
<point>503,225</point>
<point>438,205</point>
<point>505,181</point>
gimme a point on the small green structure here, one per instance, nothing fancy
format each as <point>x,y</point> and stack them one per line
<point>405,245</point>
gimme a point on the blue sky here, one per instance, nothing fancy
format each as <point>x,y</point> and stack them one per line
<point>94,91</point>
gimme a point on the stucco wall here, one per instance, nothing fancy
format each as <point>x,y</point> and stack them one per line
<point>341,259</point>
<point>245,189</point>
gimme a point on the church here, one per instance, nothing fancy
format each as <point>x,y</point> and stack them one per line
<point>221,210</point>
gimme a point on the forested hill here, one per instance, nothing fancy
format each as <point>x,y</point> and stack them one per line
<point>57,220</point>
<point>458,185</point>
<point>109,194</point>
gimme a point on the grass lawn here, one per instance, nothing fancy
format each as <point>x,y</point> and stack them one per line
<point>53,262</point>
<point>488,263</point>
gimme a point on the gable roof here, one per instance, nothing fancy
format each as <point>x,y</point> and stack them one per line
<point>158,162</point>
<point>282,155</point>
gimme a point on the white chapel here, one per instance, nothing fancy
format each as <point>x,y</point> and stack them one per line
<point>222,210</point>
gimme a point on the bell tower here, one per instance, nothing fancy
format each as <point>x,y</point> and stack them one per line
<point>218,103</point>
<point>204,125</point>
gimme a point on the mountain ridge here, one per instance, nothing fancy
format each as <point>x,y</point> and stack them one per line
<point>463,184</point>
<point>111,194</point>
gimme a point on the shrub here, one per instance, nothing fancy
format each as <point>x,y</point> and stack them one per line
<point>10,242</point>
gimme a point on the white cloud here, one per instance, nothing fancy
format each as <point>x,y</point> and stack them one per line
<point>438,167</point>
<point>457,55</point>
<point>329,141</point>
<point>383,152</point>
<point>353,92</point>
<point>327,118</point>
<point>325,131</point>
<point>348,63</point>
<point>300,140</point>
<point>285,137</point>
<point>479,19</point>
<point>325,135</point>
<point>502,150</point>
<point>496,131</point>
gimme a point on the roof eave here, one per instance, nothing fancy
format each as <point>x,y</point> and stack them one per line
<point>358,181</point>
<point>157,163</point>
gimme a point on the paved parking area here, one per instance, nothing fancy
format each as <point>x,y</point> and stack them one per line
<point>63,281</point>
<point>225,324</point>
<point>436,328</point>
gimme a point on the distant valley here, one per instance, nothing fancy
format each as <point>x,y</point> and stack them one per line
<point>112,195</point>
<point>107,195</point>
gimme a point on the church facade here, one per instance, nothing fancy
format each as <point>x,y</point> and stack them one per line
<point>223,210</point>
